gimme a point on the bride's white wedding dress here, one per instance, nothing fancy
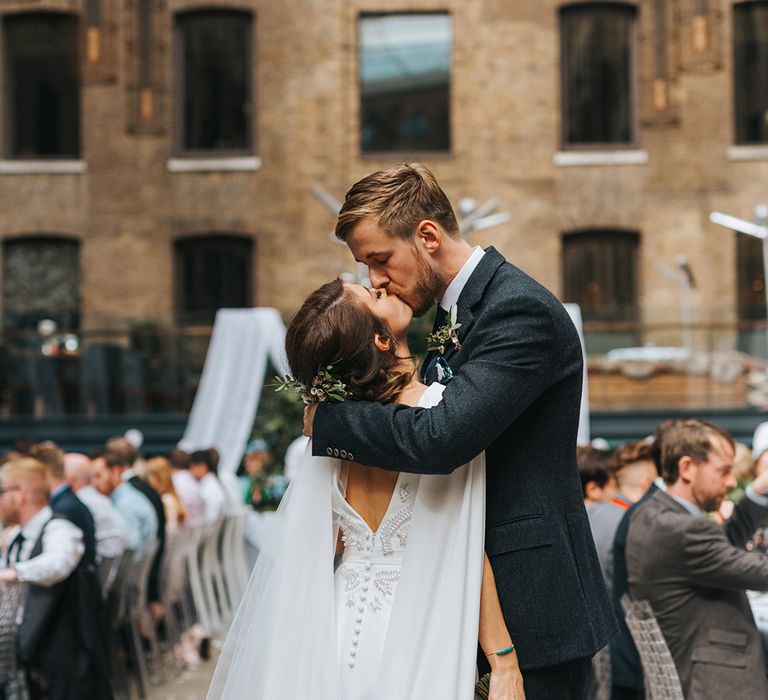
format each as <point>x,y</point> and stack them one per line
<point>398,617</point>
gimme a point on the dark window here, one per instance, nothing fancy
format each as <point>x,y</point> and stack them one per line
<point>750,61</point>
<point>215,76</point>
<point>212,272</point>
<point>405,82</point>
<point>42,81</point>
<point>41,280</point>
<point>600,274</point>
<point>596,69</point>
<point>750,277</point>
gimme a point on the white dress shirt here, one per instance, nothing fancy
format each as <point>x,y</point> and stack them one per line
<point>451,295</point>
<point>111,527</point>
<point>190,495</point>
<point>214,498</point>
<point>62,549</point>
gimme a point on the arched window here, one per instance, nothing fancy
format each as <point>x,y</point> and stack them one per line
<point>600,274</point>
<point>598,92</point>
<point>212,272</point>
<point>41,280</point>
<point>405,81</point>
<point>42,85</point>
<point>750,67</point>
<point>214,81</point>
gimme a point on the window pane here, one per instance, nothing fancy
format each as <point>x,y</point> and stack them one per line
<point>41,279</point>
<point>212,272</point>
<point>750,277</point>
<point>405,80</point>
<point>600,274</point>
<point>42,85</point>
<point>215,54</point>
<point>750,53</point>
<point>597,74</point>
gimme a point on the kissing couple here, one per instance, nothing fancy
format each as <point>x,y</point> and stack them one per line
<point>436,530</point>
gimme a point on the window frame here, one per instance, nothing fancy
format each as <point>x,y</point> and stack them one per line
<point>186,317</point>
<point>734,81</point>
<point>9,114</point>
<point>379,153</point>
<point>634,142</point>
<point>179,120</point>
<point>633,238</point>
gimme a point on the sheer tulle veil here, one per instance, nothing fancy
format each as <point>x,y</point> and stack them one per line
<point>282,642</point>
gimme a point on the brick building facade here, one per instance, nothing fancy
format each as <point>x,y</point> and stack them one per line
<point>137,177</point>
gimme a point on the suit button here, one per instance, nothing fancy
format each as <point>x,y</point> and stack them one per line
<point>329,451</point>
<point>343,454</point>
<point>350,456</point>
<point>336,453</point>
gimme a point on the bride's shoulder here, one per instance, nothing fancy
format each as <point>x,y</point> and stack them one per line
<point>432,395</point>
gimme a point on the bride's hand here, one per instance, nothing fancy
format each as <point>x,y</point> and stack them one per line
<point>309,417</point>
<point>506,683</point>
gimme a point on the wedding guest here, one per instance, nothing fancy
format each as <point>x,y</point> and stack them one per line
<point>63,498</point>
<point>254,472</point>
<point>159,476</point>
<point>635,471</point>
<point>111,526</point>
<point>133,505</point>
<point>58,639</point>
<point>202,467</point>
<point>187,487</point>
<point>124,453</point>
<point>694,572</point>
<point>598,484</point>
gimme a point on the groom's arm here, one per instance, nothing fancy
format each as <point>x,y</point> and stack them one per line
<point>510,366</point>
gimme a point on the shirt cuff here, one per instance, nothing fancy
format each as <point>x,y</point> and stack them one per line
<point>755,497</point>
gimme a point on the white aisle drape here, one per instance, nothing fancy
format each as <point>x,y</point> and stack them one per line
<point>230,387</point>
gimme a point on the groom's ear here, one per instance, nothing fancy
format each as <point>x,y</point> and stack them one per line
<point>382,342</point>
<point>430,235</point>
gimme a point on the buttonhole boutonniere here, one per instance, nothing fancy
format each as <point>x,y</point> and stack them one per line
<point>445,334</point>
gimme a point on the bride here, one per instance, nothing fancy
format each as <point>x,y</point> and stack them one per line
<point>374,584</point>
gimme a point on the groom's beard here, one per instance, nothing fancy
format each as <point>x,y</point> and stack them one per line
<point>421,298</point>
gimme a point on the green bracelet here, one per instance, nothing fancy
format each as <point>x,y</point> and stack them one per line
<point>503,652</point>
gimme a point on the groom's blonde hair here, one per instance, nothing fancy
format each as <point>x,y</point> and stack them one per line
<point>399,198</point>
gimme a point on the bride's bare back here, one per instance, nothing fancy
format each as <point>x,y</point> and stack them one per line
<point>369,489</point>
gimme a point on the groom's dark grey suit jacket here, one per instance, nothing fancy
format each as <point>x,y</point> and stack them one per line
<point>515,393</point>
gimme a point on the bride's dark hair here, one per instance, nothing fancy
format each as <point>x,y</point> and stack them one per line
<point>333,327</point>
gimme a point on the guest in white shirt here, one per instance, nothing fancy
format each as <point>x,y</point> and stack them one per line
<point>63,653</point>
<point>24,505</point>
<point>133,505</point>
<point>187,487</point>
<point>111,526</point>
<point>214,497</point>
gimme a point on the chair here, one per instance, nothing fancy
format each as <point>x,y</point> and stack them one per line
<point>107,573</point>
<point>661,679</point>
<point>12,684</point>
<point>603,678</point>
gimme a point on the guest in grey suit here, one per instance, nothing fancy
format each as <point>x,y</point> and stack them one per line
<point>513,370</point>
<point>694,572</point>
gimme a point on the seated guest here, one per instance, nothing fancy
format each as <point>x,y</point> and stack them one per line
<point>186,487</point>
<point>111,527</point>
<point>63,498</point>
<point>633,470</point>
<point>694,572</point>
<point>133,505</point>
<point>598,483</point>
<point>159,477</point>
<point>58,640</point>
<point>125,454</point>
<point>203,469</point>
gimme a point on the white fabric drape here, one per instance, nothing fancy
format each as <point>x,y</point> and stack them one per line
<point>230,387</point>
<point>282,642</point>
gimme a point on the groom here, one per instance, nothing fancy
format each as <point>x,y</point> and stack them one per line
<point>513,389</point>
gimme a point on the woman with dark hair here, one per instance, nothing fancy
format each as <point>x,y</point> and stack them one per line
<point>374,585</point>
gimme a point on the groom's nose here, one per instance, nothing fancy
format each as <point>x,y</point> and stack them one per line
<point>378,279</point>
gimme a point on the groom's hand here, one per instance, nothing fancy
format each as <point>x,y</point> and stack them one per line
<point>309,417</point>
